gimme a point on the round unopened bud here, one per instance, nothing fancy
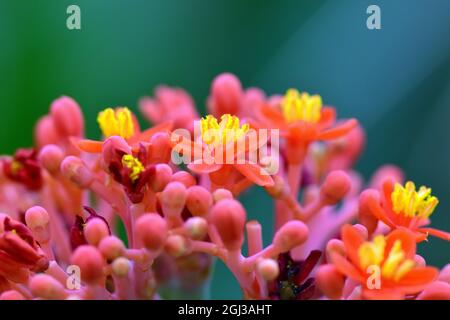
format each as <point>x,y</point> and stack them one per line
<point>95,230</point>
<point>162,176</point>
<point>76,171</point>
<point>176,246</point>
<point>335,246</point>
<point>50,158</point>
<point>437,290</point>
<point>198,201</point>
<point>90,262</point>
<point>173,198</point>
<point>330,281</point>
<point>268,269</point>
<point>444,275</point>
<point>111,247</point>
<point>290,235</point>
<point>47,287</point>
<point>120,267</point>
<point>37,219</point>
<point>221,194</point>
<point>151,229</point>
<point>420,261</point>
<point>45,132</point>
<point>11,295</point>
<point>226,95</point>
<point>365,214</point>
<point>335,187</point>
<point>67,117</point>
<point>228,216</point>
<point>160,147</point>
<point>185,178</point>
<point>196,228</point>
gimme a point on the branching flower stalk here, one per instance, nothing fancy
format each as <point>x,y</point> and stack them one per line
<point>335,236</point>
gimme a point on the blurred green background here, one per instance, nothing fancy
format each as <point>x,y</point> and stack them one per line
<point>396,80</point>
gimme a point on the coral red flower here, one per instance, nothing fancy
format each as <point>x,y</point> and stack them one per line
<point>404,207</point>
<point>302,120</point>
<point>123,123</point>
<point>219,139</point>
<point>24,168</point>
<point>393,256</point>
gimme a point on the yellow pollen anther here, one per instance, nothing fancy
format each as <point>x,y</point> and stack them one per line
<point>298,106</point>
<point>411,203</point>
<point>15,166</point>
<point>118,122</point>
<point>134,164</point>
<point>227,130</point>
<point>393,266</point>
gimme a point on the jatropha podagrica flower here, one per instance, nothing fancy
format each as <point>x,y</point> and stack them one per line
<point>404,207</point>
<point>63,204</point>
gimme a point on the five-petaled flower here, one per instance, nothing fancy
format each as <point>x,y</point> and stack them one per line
<point>218,150</point>
<point>406,207</point>
<point>392,255</point>
<point>302,120</point>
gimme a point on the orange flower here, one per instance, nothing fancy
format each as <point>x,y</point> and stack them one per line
<point>302,120</point>
<point>219,139</point>
<point>404,207</point>
<point>120,122</point>
<point>393,257</point>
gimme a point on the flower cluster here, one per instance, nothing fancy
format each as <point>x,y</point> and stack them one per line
<point>118,218</point>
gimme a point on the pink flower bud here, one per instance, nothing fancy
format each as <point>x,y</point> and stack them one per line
<point>365,213</point>
<point>47,287</point>
<point>95,230</point>
<point>37,219</point>
<point>162,176</point>
<point>228,216</point>
<point>67,117</point>
<point>290,235</point>
<point>120,267</point>
<point>226,95</point>
<point>330,281</point>
<point>111,247</point>
<point>335,187</point>
<point>198,201</point>
<point>51,157</point>
<point>196,228</point>
<point>268,269</point>
<point>173,199</point>
<point>419,260</point>
<point>76,171</point>
<point>221,194</point>
<point>11,295</point>
<point>45,132</point>
<point>185,178</point>
<point>151,229</point>
<point>335,246</point>
<point>437,290</point>
<point>90,262</point>
<point>160,148</point>
<point>384,173</point>
<point>444,275</point>
<point>176,246</point>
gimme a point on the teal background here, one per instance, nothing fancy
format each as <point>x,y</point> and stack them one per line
<point>396,80</point>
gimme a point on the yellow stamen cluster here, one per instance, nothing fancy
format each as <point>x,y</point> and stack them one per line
<point>227,130</point>
<point>411,203</point>
<point>118,122</point>
<point>393,266</point>
<point>298,106</point>
<point>16,166</point>
<point>134,165</point>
